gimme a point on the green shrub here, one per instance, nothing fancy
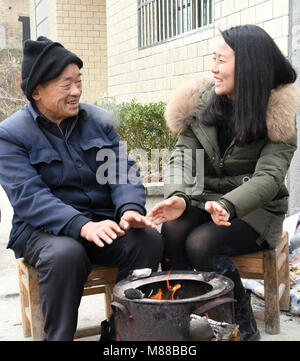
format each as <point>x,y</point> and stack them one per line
<point>143,127</point>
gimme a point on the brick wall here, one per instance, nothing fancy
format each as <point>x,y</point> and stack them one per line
<point>11,33</point>
<point>80,25</point>
<point>151,74</point>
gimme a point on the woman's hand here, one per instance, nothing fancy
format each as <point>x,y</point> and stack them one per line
<point>218,214</point>
<point>167,210</point>
<point>133,219</point>
<point>99,232</point>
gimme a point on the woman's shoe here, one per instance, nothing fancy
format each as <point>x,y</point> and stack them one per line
<point>245,319</point>
<point>108,331</point>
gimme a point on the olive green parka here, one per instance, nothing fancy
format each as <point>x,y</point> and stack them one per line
<point>250,179</point>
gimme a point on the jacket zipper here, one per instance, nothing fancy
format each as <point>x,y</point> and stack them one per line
<point>221,163</point>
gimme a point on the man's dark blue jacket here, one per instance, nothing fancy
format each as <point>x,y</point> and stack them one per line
<point>60,177</point>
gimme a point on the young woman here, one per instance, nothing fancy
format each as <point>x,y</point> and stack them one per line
<point>244,121</point>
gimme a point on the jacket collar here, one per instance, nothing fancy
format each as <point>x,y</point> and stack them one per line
<point>192,97</point>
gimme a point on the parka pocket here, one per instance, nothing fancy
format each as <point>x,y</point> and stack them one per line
<point>48,164</point>
<point>92,147</point>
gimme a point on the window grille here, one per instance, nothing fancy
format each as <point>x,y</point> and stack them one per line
<point>159,20</point>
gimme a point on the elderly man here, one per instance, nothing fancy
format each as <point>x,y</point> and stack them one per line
<point>68,214</point>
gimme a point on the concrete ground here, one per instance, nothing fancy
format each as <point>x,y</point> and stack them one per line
<point>91,310</point>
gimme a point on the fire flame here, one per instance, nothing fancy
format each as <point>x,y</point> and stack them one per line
<point>158,295</point>
<point>172,289</point>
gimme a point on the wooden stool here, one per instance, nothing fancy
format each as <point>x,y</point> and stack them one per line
<point>271,265</point>
<point>100,280</point>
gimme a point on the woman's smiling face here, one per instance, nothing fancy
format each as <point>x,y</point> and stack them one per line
<point>223,69</point>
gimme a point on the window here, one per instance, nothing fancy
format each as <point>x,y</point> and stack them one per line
<point>159,20</point>
<point>41,17</point>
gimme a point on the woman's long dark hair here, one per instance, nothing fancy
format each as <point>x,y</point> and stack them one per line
<point>259,67</point>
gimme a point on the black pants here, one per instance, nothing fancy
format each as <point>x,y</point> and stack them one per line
<point>64,264</point>
<point>194,241</point>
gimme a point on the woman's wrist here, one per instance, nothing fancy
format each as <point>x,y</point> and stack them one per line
<point>223,205</point>
<point>186,199</point>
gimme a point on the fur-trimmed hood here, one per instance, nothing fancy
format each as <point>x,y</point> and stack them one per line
<point>283,105</point>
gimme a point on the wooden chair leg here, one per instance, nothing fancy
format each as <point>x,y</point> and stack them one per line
<point>272,313</point>
<point>37,321</point>
<point>108,300</point>
<point>24,302</point>
<point>284,303</point>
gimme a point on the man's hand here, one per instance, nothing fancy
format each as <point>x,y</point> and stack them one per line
<point>99,232</point>
<point>218,214</point>
<point>167,210</point>
<point>133,219</point>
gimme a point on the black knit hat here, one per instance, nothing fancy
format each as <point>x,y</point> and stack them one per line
<point>44,60</point>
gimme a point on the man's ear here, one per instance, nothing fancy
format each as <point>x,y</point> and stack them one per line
<point>36,94</point>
